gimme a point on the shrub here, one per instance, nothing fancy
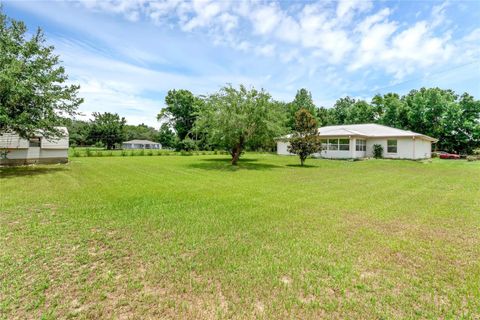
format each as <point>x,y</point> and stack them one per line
<point>76,153</point>
<point>99,144</point>
<point>88,152</point>
<point>476,152</point>
<point>473,158</point>
<point>377,151</point>
<point>99,154</point>
<point>150,153</point>
<point>132,153</point>
<point>109,154</point>
<point>141,153</point>
<point>124,153</point>
<point>186,144</point>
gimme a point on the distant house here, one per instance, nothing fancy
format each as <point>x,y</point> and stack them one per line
<point>141,144</point>
<point>37,149</point>
<point>357,140</point>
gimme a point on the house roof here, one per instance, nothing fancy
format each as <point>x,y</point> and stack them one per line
<point>141,142</point>
<point>369,130</point>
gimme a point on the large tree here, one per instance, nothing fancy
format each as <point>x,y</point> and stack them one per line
<point>303,100</point>
<point>107,128</point>
<point>306,139</point>
<point>33,93</point>
<point>180,111</point>
<point>234,118</point>
<point>141,131</point>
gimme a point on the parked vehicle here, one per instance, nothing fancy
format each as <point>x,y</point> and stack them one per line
<point>446,155</point>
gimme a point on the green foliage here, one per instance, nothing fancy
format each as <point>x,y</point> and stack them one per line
<point>33,93</point>
<point>377,151</point>
<point>140,132</point>
<point>78,132</point>
<point>442,114</point>
<point>305,141</point>
<point>167,137</point>
<point>180,111</point>
<point>186,144</point>
<point>107,128</point>
<point>303,100</point>
<point>235,118</point>
<point>88,152</point>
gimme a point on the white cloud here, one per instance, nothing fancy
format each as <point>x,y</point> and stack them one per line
<point>265,18</point>
<point>347,8</point>
<point>267,50</point>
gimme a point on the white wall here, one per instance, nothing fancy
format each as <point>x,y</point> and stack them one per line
<point>37,153</point>
<point>12,141</point>
<point>407,148</point>
<point>423,149</point>
<point>282,148</point>
<point>61,143</point>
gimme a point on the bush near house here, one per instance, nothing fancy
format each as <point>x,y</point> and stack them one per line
<point>377,151</point>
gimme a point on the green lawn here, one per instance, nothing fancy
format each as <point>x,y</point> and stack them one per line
<point>192,237</point>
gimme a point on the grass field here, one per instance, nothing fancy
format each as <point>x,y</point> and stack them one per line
<point>192,237</point>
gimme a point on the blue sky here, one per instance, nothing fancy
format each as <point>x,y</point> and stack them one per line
<point>127,54</point>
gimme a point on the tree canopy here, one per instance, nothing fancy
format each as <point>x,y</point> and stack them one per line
<point>107,128</point>
<point>306,139</point>
<point>33,93</point>
<point>180,111</point>
<point>303,100</point>
<point>442,114</point>
<point>234,118</point>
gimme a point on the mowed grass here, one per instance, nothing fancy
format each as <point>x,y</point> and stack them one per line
<point>193,237</point>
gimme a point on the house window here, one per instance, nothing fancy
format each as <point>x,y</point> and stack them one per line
<point>361,145</point>
<point>392,146</point>
<point>333,144</point>
<point>344,144</point>
<point>34,142</point>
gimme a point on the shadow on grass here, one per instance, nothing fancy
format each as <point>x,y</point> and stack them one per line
<point>224,164</point>
<point>28,171</point>
<point>300,166</point>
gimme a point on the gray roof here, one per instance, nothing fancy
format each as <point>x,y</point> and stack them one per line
<point>141,142</point>
<point>369,130</point>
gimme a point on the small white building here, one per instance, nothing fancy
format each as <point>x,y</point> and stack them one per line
<point>357,141</point>
<point>38,149</point>
<point>141,144</point>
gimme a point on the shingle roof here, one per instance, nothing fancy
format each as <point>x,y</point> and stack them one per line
<point>369,130</point>
<point>141,142</point>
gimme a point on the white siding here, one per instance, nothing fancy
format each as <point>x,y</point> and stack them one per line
<point>55,143</point>
<point>12,141</point>
<point>37,153</point>
<point>423,149</point>
<point>282,148</point>
<point>407,148</point>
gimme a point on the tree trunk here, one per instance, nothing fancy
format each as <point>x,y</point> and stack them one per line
<point>236,154</point>
<point>237,151</point>
<point>302,160</point>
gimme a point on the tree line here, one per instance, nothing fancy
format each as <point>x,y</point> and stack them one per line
<point>247,118</point>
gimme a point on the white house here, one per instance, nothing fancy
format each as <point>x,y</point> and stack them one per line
<point>141,144</point>
<point>357,140</point>
<point>38,149</point>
